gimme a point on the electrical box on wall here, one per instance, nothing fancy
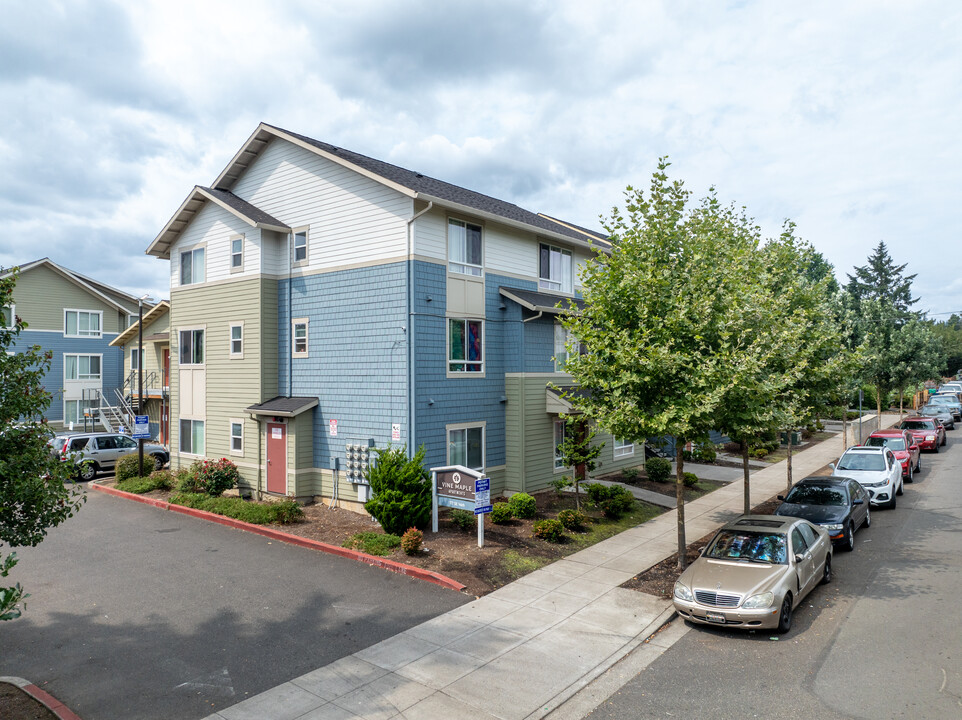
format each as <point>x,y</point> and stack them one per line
<point>357,462</point>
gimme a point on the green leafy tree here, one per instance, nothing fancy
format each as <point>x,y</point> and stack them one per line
<point>578,451</point>
<point>400,491</point>
<point>665,319</point>
<point>949,333</point>
<point>33,492</point>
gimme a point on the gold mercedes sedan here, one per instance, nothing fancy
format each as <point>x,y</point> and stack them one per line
<point>754,573</point>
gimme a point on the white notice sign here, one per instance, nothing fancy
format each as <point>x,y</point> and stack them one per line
<point>332,427</point>
<point>395,432</point>
<point>277,433</point>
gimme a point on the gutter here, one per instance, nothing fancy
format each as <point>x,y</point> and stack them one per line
<point>410,327</point>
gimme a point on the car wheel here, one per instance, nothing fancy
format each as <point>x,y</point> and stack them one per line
<point>936,450</point>
<point>868,518</point>
<point>88,471</point>
<point>918,465</point>
<point>911,477</point>
<point>901,487</point>
<point>158,462</point>
<point>827,570</point>
<point>785,616</point>
<point>943,438</point>
<point>849,541</point>
<point>891,503</point>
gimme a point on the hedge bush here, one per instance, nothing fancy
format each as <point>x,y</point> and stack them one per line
<point>400,491</point>
<point>284,512</point>
<point>613,501</point>
<point>523,505</point>
<point>629,475</point>
<point>463,520</point>
<point>501,513</point>
<point>158,480</point>
<point>373,543</point>
<point>127,468</point>
<point>658,469</point>
<point>550,530</point>
<point>572,519</point>
<point>411,541</point>
<point>690,479</point>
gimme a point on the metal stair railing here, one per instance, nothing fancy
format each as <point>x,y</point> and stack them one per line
<point>110,417</point>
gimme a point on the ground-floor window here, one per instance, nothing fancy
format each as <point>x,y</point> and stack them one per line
<point>466,447</point>
<point>559,438</point>
<point>73,411</point>
<point>623,448</point>
<point>192,437</point>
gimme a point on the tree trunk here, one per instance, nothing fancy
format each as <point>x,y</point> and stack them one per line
<point>577,491</point>
<point>878,405</point>
<point>680,497</point>
<point>844,428</point>
<point>789,458</point>
<point>747,472</point>
<point>900,403</point>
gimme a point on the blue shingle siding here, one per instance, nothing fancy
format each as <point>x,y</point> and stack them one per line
<point>539,344</point>
<point>112,365</point>
<point>357,353</point>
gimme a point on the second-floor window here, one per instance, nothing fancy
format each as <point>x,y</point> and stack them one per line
<point>191,347</point>
<point>300,246</point>
<point>136,359</point>
<point>464,248</point>
<point>82,323</point>
<point>559,438</point>
<point>555,269</point>
<point>8,316</point>
<point>81,367</point>
<point>465,341</point>
<point>564,345</point>
<point>237,254</point>
<point>299,332</point>
<point>192,266</point>
<point>236,340</point>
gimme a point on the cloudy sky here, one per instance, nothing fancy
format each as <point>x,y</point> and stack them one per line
<point>843,116</point>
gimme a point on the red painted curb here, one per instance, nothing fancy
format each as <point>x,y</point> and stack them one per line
<point>393,566</point>
<point>51,703</point>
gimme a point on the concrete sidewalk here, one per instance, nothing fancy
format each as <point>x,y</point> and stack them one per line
<point>526,650</point>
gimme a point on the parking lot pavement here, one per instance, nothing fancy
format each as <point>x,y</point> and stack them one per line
<point>140,613</point>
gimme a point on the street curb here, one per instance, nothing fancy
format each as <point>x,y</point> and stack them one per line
<point>43,697</point>
<point>395,567</point>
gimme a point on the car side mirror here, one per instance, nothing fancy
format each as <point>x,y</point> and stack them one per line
<point>781,497</point>
<point>913,447</point>
<point>832,465</point>
<point>799,558</point>
<point>858,501</point>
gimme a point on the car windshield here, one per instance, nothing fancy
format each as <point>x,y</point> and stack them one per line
<point>935,410</point>
<point>918,425</point>
<point>890,442</point>
<point>861,461</point>
<point>752,546</point>
<point>817,495</point>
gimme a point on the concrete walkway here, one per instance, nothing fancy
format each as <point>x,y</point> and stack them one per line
<point>527,650</point>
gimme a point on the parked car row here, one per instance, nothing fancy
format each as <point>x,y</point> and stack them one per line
<point>758,568</point>
<point>93,452</point>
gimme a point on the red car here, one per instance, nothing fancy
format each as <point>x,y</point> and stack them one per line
<point>903,445</point>
<point>927,431</point>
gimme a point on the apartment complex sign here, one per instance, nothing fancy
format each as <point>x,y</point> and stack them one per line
<point>459,487</point>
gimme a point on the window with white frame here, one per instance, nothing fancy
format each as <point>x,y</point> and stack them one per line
<point>81,367</point>
<point>136,358</point>
<point>554,269</point>
<point>300,246</point>
<point>299,328</point>
<point>8,316</point>
<point>559,438</point>
<point>464,248</point>
<point>465,344</point>
<point>74,411</point>
<point>237,253</point>
<point>466,447</point>
<point>192,266</point>
<point>623,448</point>
<point>192,437</point>
<point>237,340</point>
<point>191,347</point>
<point>237,437</point>
<point>564,346</point>
<point>82,323</point>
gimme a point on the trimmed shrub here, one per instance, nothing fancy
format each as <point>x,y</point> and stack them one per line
<point>401,491</point>
<point>613,501</point>
<point>373,543</point>
<point>284,512</point>
<point>550,530</point>
<point>163,479</point>
<point>629,475</point>
<point>560,485</point>
<point>706,453</point>
<point>501,513</point>
<point>187,480</point>
<point>158,480</point>
<point>572,519</point>
<point>522,505</point>
<point>411,541</point>
<point>127,468</point>
<point>216,476</point>
<point>759,452</point>
<point>658,469</point>
<point>463,520</point>
<point>690,479</point>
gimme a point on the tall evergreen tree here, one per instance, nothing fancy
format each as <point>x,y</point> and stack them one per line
<point>882,280</point>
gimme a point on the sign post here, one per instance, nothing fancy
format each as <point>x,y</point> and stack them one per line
<point>459,487</point>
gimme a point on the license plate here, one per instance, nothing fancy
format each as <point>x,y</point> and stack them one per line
<point>715,618</point>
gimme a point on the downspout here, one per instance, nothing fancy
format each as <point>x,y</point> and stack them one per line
<point>534,317</point>
<point>290,314</point>
<point>410,327</point>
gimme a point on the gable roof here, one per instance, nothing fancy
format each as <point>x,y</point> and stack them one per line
<point>407,182</point>
<point>95,288</point>
<point>150,316</point>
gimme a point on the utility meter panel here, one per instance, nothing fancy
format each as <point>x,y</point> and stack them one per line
<point>357,462</point>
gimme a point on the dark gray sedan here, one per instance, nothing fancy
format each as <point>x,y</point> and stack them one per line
<point>838,504</point>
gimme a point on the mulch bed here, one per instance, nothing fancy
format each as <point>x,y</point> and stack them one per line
<point>15,704</point>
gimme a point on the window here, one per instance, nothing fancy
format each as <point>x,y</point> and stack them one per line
<point>465,339</point>
<point>192,266</point>
<point>559,438</point>
<point>623,448</point>
<point>237,254</point>
<point>563,339</point>
<point>82,323</point>
<point>464,248</point>
<point>466,447</point>
<point>300,246</point>
<point>136,358</point>
<point>192,437</point>
<point>237,340</point>
<point>554,269</point>
<point>237,437</point>
<point>73,412</point>
<point>81,367</point>
<point>8,316</point>
<point>299,333</point>
<point>191,347</point>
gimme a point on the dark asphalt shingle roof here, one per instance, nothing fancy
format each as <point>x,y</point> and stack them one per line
<point>284,406</point>
<point>244,208</point>
<point>543,302</point>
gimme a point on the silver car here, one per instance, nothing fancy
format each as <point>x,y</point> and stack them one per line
<point>100,451</point>
<point>942,412</point>
<point>754,573</point>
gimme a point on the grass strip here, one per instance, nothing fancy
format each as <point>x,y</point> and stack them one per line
<point>284,512</point>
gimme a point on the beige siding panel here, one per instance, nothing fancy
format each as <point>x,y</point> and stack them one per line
<point>430,235</point>
<point>41,295</point>
<point>268,338</point>
<point>213,227</point>
<point>511,251</point>
<point>351,218</point>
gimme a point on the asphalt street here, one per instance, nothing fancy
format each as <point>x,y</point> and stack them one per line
<point>882,641</point>
<point>136,612</point>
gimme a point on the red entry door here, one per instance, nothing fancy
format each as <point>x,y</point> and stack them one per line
<point>277,458</point>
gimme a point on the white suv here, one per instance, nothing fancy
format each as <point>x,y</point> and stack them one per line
<point>874,468</point>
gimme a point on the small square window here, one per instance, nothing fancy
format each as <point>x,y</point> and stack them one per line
<point>236,340</point>
<point>300,246</point>
<point>623,448</point>
<point>236,437</point>
<point>466,447</point>
<point>299,333</point>
<point>237,254</point>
